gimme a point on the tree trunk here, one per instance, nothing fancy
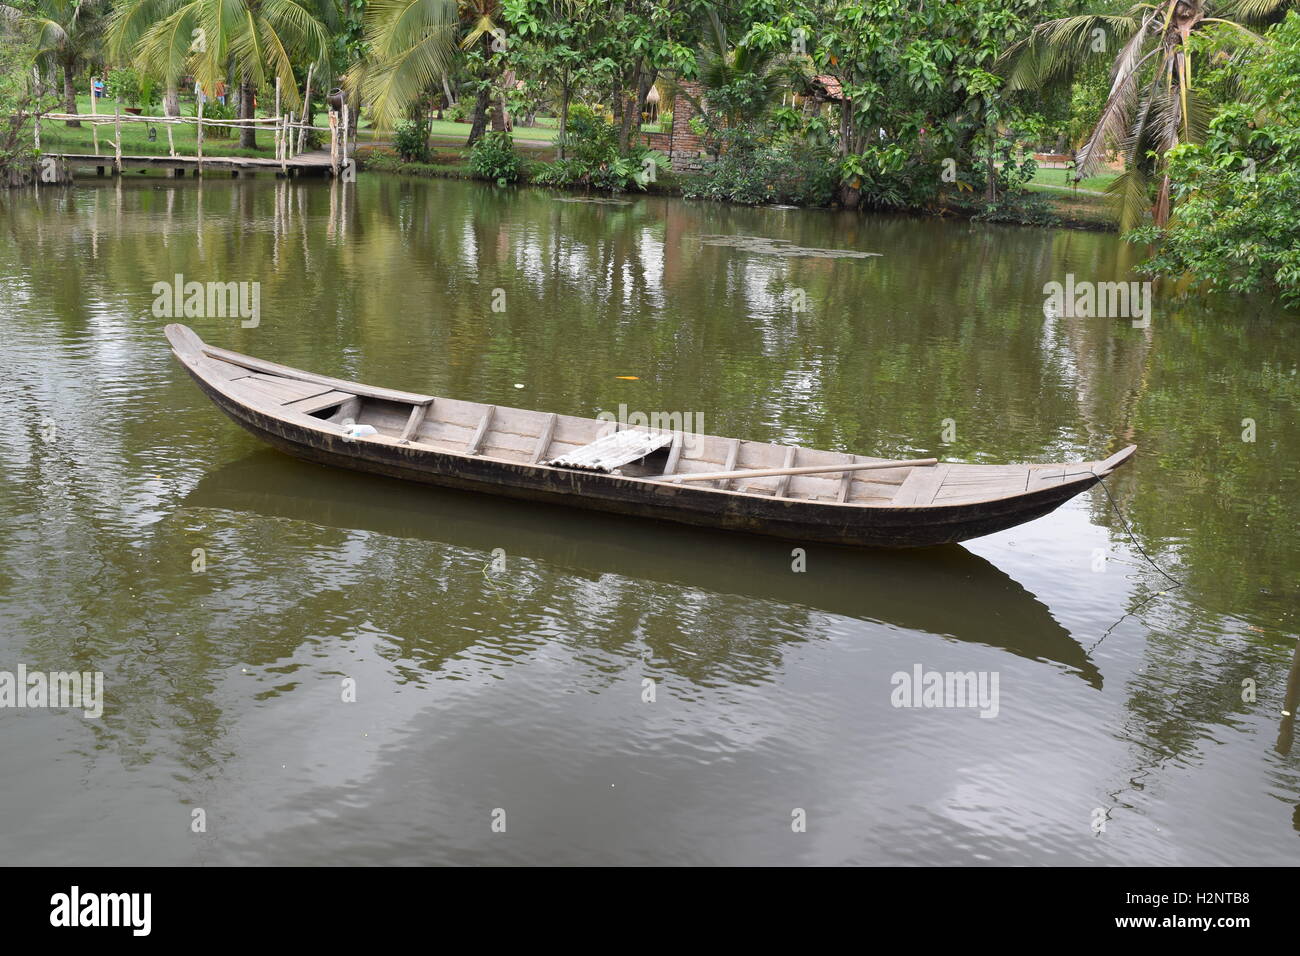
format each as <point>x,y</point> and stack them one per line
<point>564,110</point>
<point>645,82</point>
<point>70,94</point>
<point>172,101</point>
<point>846,127</point>
<point>1160,212</point>
<point>247,134</point>
<point>498,114</point>
<point>620,103</point>
<point>446,89</point>
<point>628,116</point>
<point>478,122</point>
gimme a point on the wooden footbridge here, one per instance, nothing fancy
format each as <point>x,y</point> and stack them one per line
<point>290,135</point>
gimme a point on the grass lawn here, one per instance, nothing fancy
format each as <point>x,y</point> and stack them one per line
<point>1061,177</point>
<point>459,132</point>
<point>1087,209</point>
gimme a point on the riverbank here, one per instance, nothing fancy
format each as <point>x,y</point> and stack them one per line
<point>1076,209</point>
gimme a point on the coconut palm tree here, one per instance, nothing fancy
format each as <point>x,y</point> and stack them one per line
<point>258,39</point>
<point>69,35</point>
<point>412,43</point>
<point>1153,103</point>
<point>130,21</point>
<point>483,22</point>
<point>411,46</point>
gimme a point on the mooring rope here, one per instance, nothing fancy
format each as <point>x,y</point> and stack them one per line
<point>1133,538</point>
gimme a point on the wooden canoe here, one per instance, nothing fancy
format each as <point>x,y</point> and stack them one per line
<point>498,450</point>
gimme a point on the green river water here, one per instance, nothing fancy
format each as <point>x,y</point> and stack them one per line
<point>1132,726</point>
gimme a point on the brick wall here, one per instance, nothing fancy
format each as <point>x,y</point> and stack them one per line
<point>683,148</point>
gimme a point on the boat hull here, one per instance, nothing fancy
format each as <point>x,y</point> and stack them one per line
<point>790,519</point>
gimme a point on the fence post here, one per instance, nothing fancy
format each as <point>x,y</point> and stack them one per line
<point>334,143</point>
<point>285,131</point>
<point>117,145</point>
<point>94,124</point>
<point>344,158</point>
<point>306,108</point>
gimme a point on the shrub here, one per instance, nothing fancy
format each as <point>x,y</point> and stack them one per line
<point>213,110</point>
<point>411,141</point>
<point>493,157</point>
<point>124,86</point>
<point>1014,203</point>
<point>753,169</point>
<point>1018,206</point>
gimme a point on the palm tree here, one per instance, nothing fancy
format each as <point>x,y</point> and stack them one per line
<point>411,45</point>
<point>746,78</point>
<point>1153,103</point>
<point>131,20</point>
<point>258,39</point>
<point>68,36</point>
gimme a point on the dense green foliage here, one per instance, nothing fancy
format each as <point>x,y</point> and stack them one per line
<point>1235,225</point>
<point>593,158</point>
<point>865,104</point>
<point>18,104</point>
<point>127,86</point>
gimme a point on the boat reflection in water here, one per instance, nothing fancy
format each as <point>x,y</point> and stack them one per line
<point>944,591</point>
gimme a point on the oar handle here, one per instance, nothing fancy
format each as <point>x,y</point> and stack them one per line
<point>802,470</point>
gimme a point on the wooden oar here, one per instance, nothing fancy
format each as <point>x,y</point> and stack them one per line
<point>801,470</point>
